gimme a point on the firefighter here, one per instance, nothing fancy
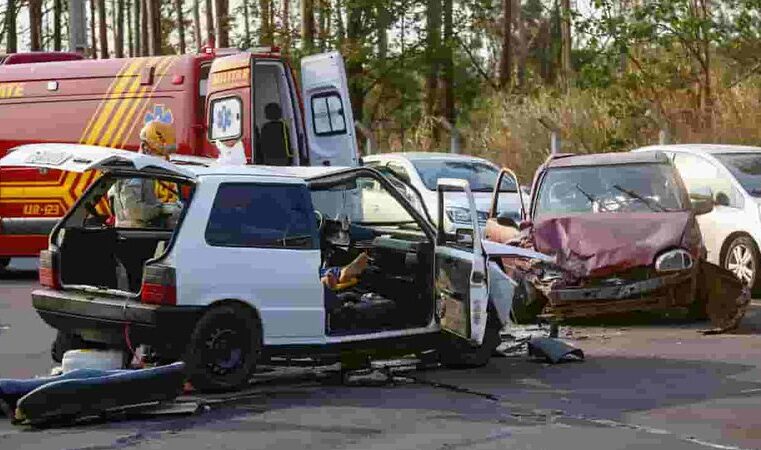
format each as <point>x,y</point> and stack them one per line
<point>134,201</point>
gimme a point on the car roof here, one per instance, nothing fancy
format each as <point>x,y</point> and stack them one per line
<point>285,172</point>
<point>712,149</point>
<point>607,159</point>
<point>418,156</point>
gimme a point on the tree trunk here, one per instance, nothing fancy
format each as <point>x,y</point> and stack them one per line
<point>222,20</point>
<point>286,31</point>
<point>325,21</point>
<point>565,38</point>
<point>93,40</point>
<point>383,22</point>
<point>154,30</point>
<point>180,25</point>
<point>307,26</point>
<point>209,22</point>
<point>265,27</point>
<point>433,13</point>
<point>448,80</point>
<point>119,30</point>
<point>246,25</point>
<point>506,58</point>
<point>340,31</point>
<point>146,45</point>
<point>522,47</point>
<point>128,25</point>
<point>197,24</point>
<point>35,25</point>
<point>10,27</point>
<point>354,63</point>
<point>136,28</point>
<point>102,31</point>
<point>57,6</point>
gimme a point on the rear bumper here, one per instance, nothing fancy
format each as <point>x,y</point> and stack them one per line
<point>106,319</point>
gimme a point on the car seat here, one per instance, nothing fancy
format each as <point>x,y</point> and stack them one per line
<point>274,142</point>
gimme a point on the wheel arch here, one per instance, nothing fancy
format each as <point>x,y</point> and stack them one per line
<point>253,311</point>
<point>725,245</point>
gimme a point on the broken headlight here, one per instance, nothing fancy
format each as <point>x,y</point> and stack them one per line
<point>673,260</point>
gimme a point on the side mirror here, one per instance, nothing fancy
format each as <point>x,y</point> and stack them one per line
<point>702,205</point>
<point>721,199</point>
<point>464,236</point>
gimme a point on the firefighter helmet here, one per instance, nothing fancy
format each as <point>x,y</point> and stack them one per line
<point>159,138</point>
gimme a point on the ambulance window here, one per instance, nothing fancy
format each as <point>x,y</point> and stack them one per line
<point>225,119</point>
<point>203,90</point>
<point>328,114</point>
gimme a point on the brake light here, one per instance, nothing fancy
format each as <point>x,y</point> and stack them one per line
<point>159,285</point>
<point>48,271</point>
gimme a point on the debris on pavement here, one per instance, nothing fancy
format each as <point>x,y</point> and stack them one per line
<point>554,350</point>
<point>71,398</point>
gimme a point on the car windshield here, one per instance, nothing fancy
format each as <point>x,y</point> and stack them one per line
<point>613,188</point>
<point>481,176</point>
<point>746,167</point>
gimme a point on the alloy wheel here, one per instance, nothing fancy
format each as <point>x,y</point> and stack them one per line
<point>740,262</point>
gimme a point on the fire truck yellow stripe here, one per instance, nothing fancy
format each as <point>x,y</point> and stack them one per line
<point>120,139</point>
<point>113,100</point>
<point>147,99</point>
<point>111,135</point>
<point>43,192</point>
<point>118,77</point>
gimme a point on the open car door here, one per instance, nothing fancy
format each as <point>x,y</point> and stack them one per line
<point>327,107</point>
<point>83,158</point>
<point>461,289</point>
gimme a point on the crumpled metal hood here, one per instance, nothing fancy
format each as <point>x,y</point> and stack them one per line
<point>598,245</point>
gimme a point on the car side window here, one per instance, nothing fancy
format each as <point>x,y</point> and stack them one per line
<point>262,215</point>
<point>399,171</point>
<point>700,175</point>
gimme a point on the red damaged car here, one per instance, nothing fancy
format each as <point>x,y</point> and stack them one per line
<point>623,232</point>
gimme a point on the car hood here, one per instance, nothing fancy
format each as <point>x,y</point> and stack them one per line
<point>598,245</point>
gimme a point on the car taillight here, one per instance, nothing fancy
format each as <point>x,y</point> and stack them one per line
<point>159,286</point>
<point>48,271</point>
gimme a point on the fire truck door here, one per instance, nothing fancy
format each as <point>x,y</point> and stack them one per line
<point>329,117</point>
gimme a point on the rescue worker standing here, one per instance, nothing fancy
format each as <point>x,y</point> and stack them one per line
<point>134,200</point>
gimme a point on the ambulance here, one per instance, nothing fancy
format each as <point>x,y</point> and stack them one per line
<point>216,99</point>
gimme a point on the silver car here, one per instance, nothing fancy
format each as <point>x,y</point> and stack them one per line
<point>731,174</point>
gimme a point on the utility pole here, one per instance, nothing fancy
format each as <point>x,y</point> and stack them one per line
<point>77,26</point>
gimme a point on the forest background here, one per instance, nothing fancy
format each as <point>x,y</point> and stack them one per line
<point>607,75</point>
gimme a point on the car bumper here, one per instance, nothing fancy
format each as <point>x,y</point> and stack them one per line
<point>673,290</point>
<point>109,320</point>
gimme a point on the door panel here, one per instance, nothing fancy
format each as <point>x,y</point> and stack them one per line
<point>229,103</point>
<point>327,107</point>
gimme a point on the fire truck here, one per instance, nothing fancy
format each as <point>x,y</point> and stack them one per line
<point>214,98</point>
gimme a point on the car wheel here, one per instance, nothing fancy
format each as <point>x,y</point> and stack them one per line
<point>456,353</point>
<point>63,343</point>
<point>742,259</point>
<point>223,349</point>
<point>4,263</point>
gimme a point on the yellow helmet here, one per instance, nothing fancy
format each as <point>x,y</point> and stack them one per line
<point>159,138</point>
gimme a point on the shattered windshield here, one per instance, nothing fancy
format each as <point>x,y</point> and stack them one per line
<point>615,188</point>
<point>480,176</point>
<point>746,167</point>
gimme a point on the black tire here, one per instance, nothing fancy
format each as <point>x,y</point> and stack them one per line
<point>456,353</point>
<point>223,349</point>
<point>64,342</point>
<point>528,303</point>
<point>4,262</point>
<point>742,247</point>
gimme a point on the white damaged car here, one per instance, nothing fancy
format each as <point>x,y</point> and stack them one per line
<point>235,279</point>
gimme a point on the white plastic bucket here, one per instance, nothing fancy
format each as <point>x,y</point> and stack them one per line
<point>92,359</point>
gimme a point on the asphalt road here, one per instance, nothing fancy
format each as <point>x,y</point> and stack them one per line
<point>642,385</point>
